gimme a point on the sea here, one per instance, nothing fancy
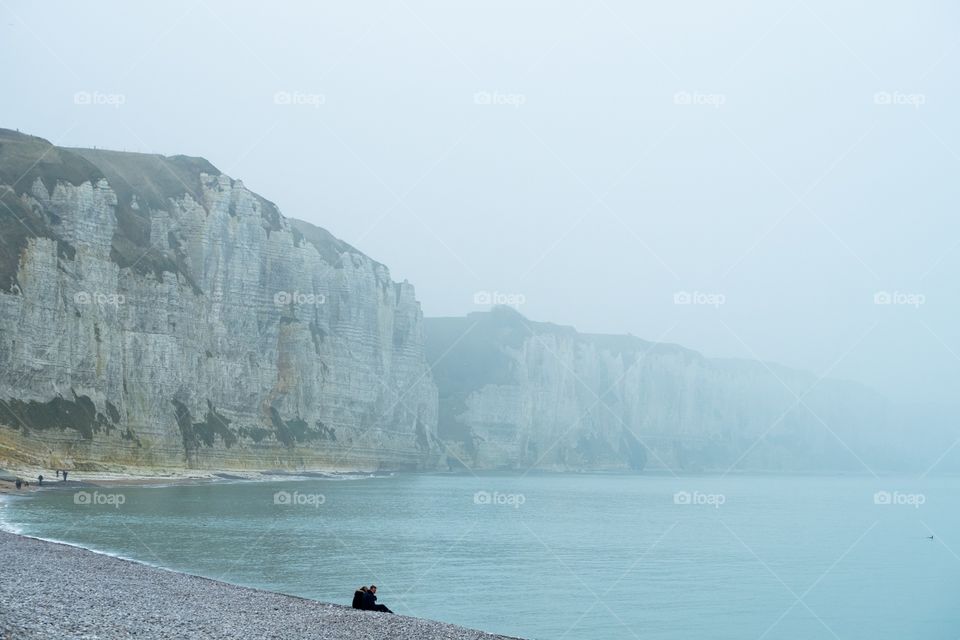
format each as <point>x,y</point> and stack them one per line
<point>564,556</point>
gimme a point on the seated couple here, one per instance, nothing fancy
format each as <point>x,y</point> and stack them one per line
<point>366,599</point>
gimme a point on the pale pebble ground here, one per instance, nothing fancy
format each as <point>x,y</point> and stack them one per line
<point>50,590</point>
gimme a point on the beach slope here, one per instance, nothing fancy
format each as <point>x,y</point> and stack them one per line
<point>51,590</point>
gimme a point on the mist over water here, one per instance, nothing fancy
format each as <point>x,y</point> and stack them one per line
<point>547,557</point>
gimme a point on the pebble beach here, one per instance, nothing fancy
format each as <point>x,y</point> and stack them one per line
<point>50,590</point>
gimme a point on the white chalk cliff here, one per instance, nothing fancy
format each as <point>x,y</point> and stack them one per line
<point>155,312</point>
<point>519,394</point>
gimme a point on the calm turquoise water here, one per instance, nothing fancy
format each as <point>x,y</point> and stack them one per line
<point>560,556</point>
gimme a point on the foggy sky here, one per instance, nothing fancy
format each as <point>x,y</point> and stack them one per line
<point>788,159</point>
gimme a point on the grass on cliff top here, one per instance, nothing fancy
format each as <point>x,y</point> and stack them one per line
<point>25,158</point>
<point>149,179</point>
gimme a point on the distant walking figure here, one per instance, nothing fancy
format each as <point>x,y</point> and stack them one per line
<point>370,601</point>
<point>64,475</point>
<point>40,479</point>
<point>19,483</point>
<point>358,597</point>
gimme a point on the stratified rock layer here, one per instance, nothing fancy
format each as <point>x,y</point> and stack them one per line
<point>156,313</point>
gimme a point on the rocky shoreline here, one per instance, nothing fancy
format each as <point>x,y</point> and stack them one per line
<point>136,477</point>
<point>52,590</point>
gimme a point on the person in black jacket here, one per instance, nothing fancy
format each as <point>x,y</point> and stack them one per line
<point>370,601</point>
<point>358,597</point>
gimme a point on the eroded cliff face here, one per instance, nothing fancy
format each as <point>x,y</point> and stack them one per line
<point>519,394</point>
<point>155,312</point>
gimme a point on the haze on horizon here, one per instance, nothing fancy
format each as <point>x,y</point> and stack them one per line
<point>790,159</point>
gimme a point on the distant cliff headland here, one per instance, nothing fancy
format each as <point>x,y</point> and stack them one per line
<point>156,313</point>
<point>521,394</point>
